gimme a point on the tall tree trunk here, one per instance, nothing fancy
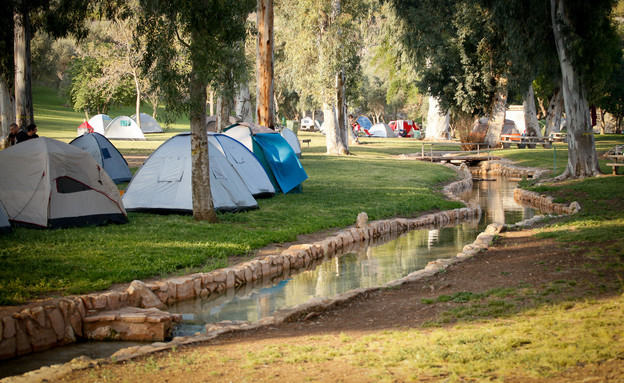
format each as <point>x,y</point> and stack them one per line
<point>344,128</point>
<point>223,113</point>
<point>243,104</point>
<point>23,76</point>
<point>265,109</point>
<point>582,159</point>
<point>203,207</point>
<point>6,110</point>
<point>333,141</point>
<point>138,96</point>
<point>554,111</point>
<point>497,114</point>
<point>530,113</point>
<point>437,121</point>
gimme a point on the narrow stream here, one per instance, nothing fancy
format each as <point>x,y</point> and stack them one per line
<point>362,266</point>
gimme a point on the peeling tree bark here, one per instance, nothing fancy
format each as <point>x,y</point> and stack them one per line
<point>6,110</point>
<point>243,104</point>
<point>582,159</point>
<point>497,114</point>
<point>554,111</point>
<point>265,109</point>
<point>437,122</point>
<point>530,113</point>
<point>223,113</point>
<point>23,76</point>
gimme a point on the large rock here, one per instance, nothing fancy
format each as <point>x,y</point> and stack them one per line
<point>148,298</point>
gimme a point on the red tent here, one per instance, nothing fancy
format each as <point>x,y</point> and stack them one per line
<point>85,128</point>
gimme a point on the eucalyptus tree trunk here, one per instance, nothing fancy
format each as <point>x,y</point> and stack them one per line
<point>223,113</point>
<point>23,76</point>
<point>137,85</point>
<point>334,143</point>
<point>530,113</point>
<point>265,109</point>
<point>497,114</point>
<point>554,112</point>
<point>438,123</point>
<point>6,110</point>
<point>203,207</point>
<point>344,128</point>
<point>582,159</point>
<point>243,104</point>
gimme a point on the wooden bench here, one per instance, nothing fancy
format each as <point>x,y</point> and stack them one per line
<point>307,141</point>
<point>615,166</point>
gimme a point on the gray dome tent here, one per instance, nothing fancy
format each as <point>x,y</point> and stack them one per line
<point>163,183</point>
<point>105,154</point>
<point>148,124</point>
<point>56,185</point>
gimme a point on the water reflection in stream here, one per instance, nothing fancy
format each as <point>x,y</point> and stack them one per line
<point>362,266</point>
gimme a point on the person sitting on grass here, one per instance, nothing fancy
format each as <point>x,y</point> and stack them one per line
<point>31,132</point>
<point>12,138</point>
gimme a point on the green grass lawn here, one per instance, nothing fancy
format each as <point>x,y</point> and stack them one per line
<point>79,260</point>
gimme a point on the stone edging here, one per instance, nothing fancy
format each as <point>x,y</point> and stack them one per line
<point>313,306</point>
<point>63,321</point>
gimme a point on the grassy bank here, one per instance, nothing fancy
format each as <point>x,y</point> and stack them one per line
<point>41,262</point>
<point>78,260</point>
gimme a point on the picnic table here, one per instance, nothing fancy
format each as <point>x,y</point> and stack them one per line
<point>619,161</point>
<point>524,141</point>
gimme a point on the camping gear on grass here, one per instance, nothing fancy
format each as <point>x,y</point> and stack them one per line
<point>124,128</point>
<point>5,225</point>
<point>163,183</point>
<point>381,130</point>
<point>48,183</point>
<point>105,154</point>
<point>292,140</point>
<point>84,128</point>
<point>275,154</point>
<point>148,124</point>
<point>245,163</point>
<point>99,122</point>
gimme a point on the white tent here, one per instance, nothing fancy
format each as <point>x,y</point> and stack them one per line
<point>99,122</point>
<point>48,183</point>
<point>242,134</point>
<point>307,124</point>
<point>5,225</point>
<point>105,154</point>
<point>163,183</point>
<point>292,140</point>
<point>124,128</point>
<point>381,130</point>
<point>245,163</point>
<point>148,124</point>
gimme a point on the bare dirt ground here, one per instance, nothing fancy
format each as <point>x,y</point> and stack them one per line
<point>515,258</point>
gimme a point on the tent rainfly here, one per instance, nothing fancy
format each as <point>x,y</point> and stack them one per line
<point>56,185</point>
<point>148,124</point>
<point>245,163</point>
<point>124,128</point>
<point>99,122</point>
<point>163,183</point>
<point>275,154</point>
<point>105,154</point>
<point>5,225</point>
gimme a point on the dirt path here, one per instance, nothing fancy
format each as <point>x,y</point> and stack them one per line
<point>517,259</point>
